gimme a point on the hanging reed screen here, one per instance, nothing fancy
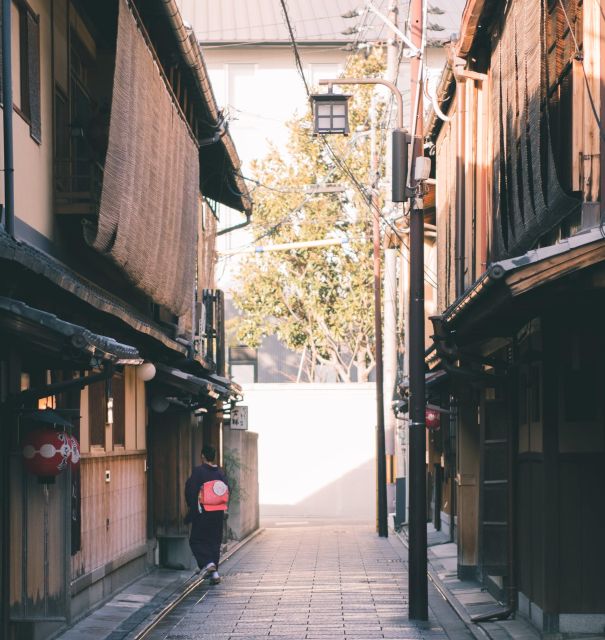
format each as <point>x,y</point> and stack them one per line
<point>148,213</point>
<point>528,197</point>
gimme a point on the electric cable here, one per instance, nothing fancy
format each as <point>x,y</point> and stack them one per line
<point>343,166</point>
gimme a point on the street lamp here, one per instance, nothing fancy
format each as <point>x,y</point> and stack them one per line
<point>330,113</point>
<point>330,116</point>
<point>403,190</point>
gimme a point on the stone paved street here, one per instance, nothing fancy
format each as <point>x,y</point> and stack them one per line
<point>331,581</point>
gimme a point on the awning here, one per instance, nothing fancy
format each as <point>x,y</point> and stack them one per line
<point>64,339</point>
<point>233,387</point>
<point>210,386</point>
<point>55,272</point>
<point>486,306</point>
<point>47,416</point>
<point>431,380</point>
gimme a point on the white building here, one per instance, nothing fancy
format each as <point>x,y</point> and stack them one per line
<point>250,59</point>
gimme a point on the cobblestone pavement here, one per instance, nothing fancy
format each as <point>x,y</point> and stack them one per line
<point>323,582</point>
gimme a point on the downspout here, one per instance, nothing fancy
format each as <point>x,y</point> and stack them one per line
<point>7,116</point>
<point>459,258</point>
<point>241,225</point>
<point>461,75</point>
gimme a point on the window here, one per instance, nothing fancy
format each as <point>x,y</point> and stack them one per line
<point>119,410</point>
<point>243,364</point>
<point>25,54</point>
<point>322,71</point>
<point>98,396</point>
<point>97,410</point>
<point>243,373</point>
<point>244,97</point>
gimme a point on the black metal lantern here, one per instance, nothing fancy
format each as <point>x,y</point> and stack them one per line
<point>330,113</point>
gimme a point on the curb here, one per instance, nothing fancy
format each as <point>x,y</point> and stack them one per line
<point>180,593</point>
<point>476,630</point>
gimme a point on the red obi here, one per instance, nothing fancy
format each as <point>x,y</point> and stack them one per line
<point>213,496</point>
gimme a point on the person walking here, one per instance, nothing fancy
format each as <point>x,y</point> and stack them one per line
<point>207,496</point>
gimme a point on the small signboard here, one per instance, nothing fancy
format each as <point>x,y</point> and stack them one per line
<point>239,418</point>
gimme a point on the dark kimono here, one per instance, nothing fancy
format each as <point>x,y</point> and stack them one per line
<point>207,527</point>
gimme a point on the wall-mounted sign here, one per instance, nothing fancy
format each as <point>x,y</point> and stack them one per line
<point>239,418</point>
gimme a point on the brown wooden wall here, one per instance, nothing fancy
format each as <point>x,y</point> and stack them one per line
<point>37,524</point>
<point>171,463</point>
<point>114,513</point>
<point>530,527</point>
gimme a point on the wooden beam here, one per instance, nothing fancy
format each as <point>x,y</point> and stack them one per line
<point>577,125</point>
<point>468,27</point>
<point>556,267</point>
<point>592,68</point>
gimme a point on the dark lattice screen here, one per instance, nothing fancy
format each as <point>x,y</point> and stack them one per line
<point>528,108</point>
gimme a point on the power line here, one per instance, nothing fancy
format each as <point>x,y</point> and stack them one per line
<point>294,46</point>
<point>341,163</point>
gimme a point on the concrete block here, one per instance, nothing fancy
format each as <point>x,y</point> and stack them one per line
<point>593,623</point>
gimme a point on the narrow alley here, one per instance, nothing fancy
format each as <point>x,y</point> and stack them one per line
<point>301,319</point>
<point>334,580</point>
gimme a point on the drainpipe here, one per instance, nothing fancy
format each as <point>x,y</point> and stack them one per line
<point>7,95</point>
<point>241,225</point>
<point>461,75</point>
<point>460,175</point>
<point>392,247</point>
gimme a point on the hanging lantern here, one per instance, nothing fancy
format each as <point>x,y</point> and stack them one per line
<point>432,419</point>
<point>46,453</point>
<point>330,113</point>
<point>146,371</point>
<point>74,458</point>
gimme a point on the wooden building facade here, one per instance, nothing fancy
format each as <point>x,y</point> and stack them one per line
<point>516,343</point>
<point>120,152</point>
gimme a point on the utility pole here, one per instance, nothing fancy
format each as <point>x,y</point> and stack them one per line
<point>418,594</point>
<point>381,472</point>
<point>390,289</point>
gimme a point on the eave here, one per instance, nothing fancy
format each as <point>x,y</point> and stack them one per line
<point>220,165</point>
<point>64,340</point>
<point>471,18</point>
<point>480,311</point>
<point>55,272</point>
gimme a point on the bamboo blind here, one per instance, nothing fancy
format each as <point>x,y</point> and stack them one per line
<point>148,212</point>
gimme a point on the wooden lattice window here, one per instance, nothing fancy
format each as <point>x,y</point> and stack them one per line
<point>25,36</point>
<point>97,412</point>
<point>119,410</point>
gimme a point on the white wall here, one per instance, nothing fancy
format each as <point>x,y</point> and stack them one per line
<point>316,449</point>
<point>261,90</point>
<point>33,161</point>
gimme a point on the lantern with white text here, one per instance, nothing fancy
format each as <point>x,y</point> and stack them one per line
<point>46,453</point>
<point>432,419</point>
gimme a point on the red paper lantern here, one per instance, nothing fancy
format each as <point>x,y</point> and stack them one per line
<point>432,419</point>
<point>46,452</point>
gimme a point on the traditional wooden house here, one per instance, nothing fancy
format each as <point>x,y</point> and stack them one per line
<point>517,334</point>
<point>114,153</point>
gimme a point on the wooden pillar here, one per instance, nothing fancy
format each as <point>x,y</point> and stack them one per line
<point>467,480</point>
<point>9,375</point>
<point>551,366</point>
